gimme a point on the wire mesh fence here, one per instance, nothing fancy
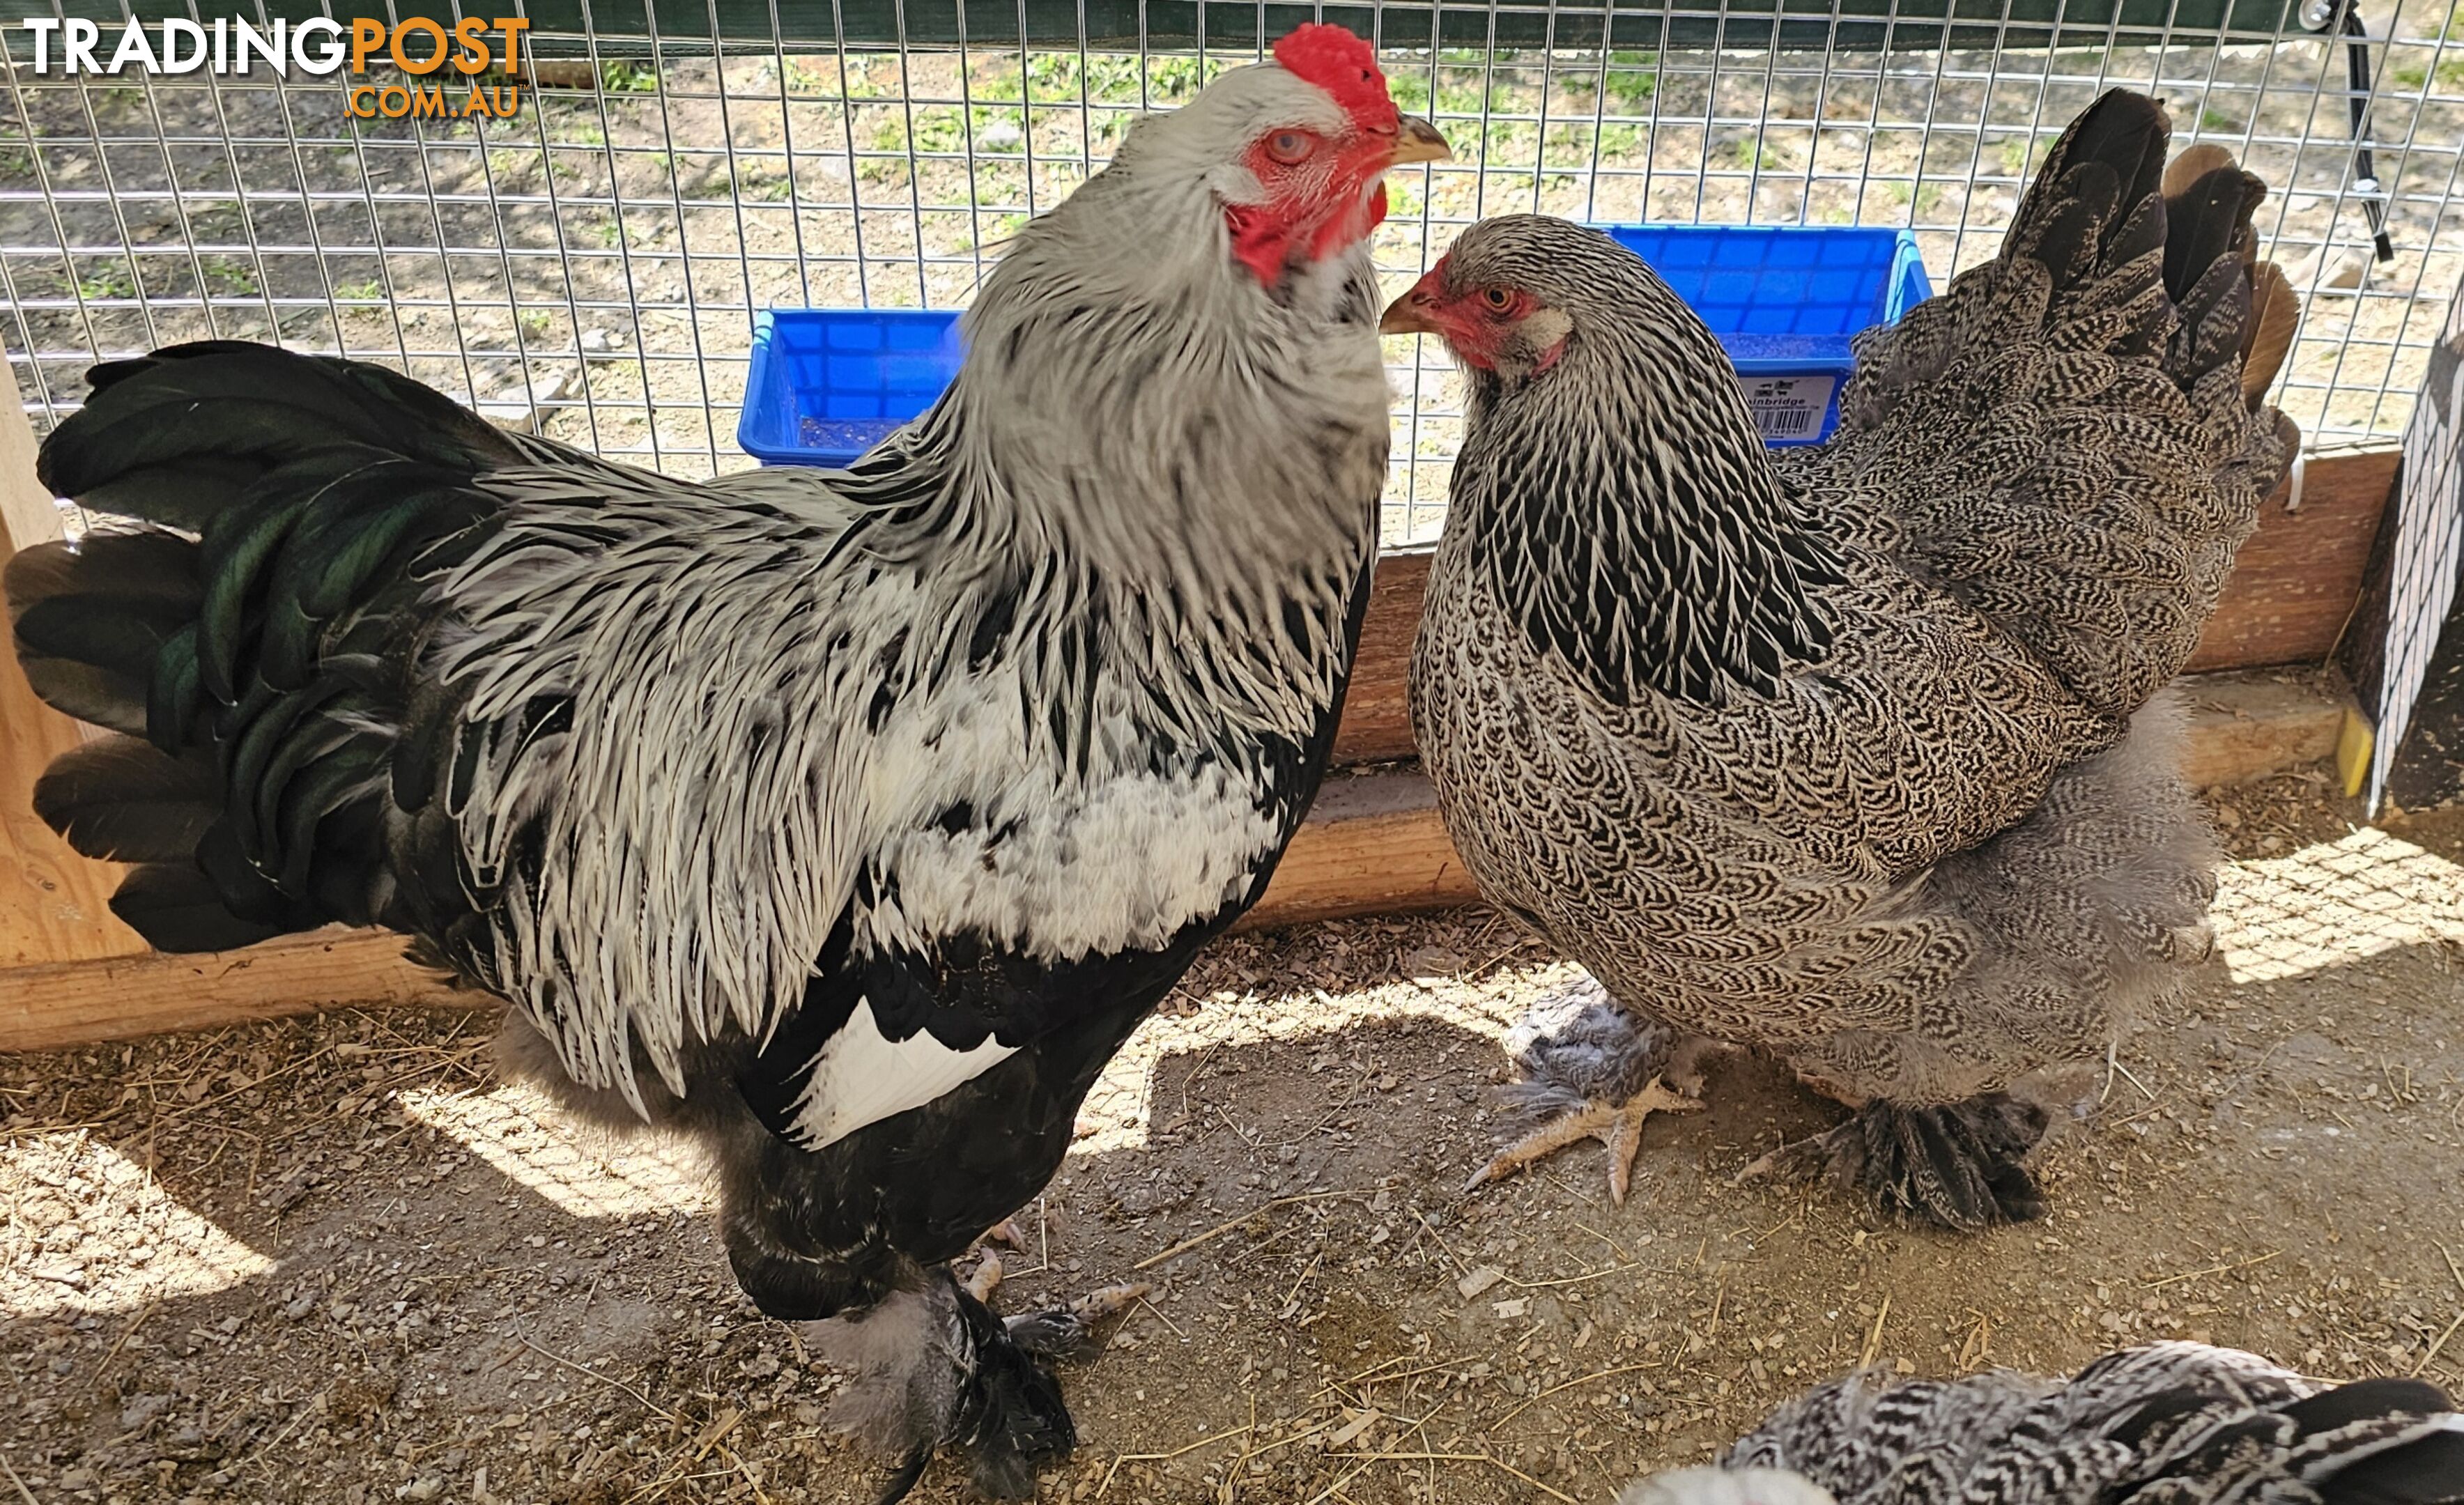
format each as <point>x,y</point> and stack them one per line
<point>593,265</point>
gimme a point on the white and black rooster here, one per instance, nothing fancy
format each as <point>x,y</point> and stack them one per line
<point>2169,1424</point>
<point>846,821</point>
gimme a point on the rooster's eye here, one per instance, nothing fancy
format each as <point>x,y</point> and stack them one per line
<point>1289,147</point>
<point>1498,299</point>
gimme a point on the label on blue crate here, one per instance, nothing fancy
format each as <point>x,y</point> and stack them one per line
<point>1789,409</point>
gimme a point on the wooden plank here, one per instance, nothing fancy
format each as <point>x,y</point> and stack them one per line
<point>2291,591</point>
<point>1373,844</point>
<point>120,997</point>
<point>54,905</point>
<point>1377,712</point>
<point>2248,726</point>
<point>2295,581</point>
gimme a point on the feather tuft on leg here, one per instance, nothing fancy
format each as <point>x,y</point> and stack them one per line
<point>1956,1167</point>
<point>935,1367</point>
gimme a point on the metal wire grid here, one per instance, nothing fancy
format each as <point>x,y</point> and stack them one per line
<point>592,267</point>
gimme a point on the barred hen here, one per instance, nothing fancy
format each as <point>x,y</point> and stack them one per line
<point>846,821</point>
<point>2171,1424</point>
<point>1857,752</point>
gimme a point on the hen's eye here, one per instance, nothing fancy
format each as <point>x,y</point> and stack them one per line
<point>1498,299</point>
<point>1289,147</point>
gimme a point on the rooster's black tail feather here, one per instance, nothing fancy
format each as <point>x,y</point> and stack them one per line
<point>247,619</point>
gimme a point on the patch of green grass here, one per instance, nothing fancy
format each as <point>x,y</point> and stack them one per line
<point>2417,75</point>
<point>627,75</point>
<point>1111,80</point>
<point>1106,79</point>
<point>2216,123</point>
<point>1171,78</point>
<point>861,84</point>
<point>366,291</point>
<point>1630,79</point>
<point>1622,141</point>
<point>109,280</point>
<point>229,274</point>
<point>798,78</point>
<point>1751,152</point>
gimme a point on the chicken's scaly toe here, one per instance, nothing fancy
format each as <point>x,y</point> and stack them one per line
<point>986,1277</point>
<point>1061,1331</point>
<point>1005,1232</point>
<point>1618,1125</point>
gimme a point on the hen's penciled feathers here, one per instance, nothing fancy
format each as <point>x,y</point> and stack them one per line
<point>1933,849</point>
<point>2175,1422</point>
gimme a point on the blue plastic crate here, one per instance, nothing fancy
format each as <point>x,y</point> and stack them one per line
<point>1785,301</point>
<point>827,384</point>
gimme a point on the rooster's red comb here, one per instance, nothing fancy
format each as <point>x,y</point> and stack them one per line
<point>1344,66</point>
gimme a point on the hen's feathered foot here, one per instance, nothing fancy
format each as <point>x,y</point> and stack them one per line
<point>1619,1125</point>
<point>1595,1070</point>
<point>1957,1168</point>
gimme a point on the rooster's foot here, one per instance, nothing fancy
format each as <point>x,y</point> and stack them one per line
<point>1061,1331</point>
<point>1056,1332</point>
<point>1619,1125</point>
<point>1005,1232</point>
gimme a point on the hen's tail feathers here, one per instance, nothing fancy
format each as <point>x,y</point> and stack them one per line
<point>2106,196</point>
<point>241,625</point>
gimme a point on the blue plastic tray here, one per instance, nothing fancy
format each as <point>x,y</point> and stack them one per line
<point>1786,301</point>
<point>828,384</point>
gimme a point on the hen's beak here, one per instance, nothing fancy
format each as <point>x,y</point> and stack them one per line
<point>1415,139</point>
<point>1413,313</point>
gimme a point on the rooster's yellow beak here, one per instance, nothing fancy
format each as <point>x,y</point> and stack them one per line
<point>1417,140</point>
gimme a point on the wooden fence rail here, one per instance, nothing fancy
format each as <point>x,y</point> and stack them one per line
<point>70,971</point>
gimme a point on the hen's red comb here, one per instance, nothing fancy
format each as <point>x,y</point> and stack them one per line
<point>1344,66</point>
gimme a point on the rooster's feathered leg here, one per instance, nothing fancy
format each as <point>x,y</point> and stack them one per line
<point>932,1367</point>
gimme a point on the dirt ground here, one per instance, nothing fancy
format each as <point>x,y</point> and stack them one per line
<point>336,1260</point>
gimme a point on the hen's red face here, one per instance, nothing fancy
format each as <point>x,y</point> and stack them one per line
<point>1321,181</point>
<point>1486,326</point>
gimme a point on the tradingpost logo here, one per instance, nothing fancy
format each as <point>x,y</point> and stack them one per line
<point>444,68</point>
